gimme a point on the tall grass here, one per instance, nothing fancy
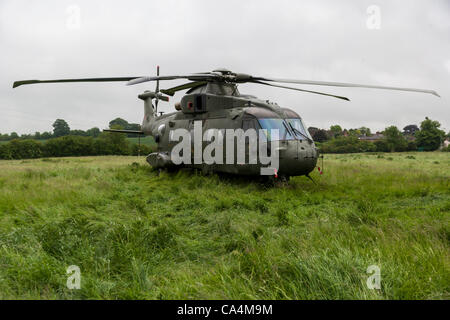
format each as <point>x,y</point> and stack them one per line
<point>137,234</point>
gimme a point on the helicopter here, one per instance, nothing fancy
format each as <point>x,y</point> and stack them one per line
<point>214,104</point>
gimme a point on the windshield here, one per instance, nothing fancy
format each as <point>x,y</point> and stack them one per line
<point>271,123</point>
<point>298,125</point>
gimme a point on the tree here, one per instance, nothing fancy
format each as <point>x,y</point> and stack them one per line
<point>336,130</point>
<point>93,132</point>
<point>46,135</point>
<point>14,135</point>
<point>394,139</point>
<point>125,125</point>
<point>135,127</point>
<point>113,143</point>
<point>119,122</point>
<point>410,129</point>
<point>320,135</point>
<point>78,133</point>
<point>365,131</point>
<point>312,131</point>
<point>60,128</point>
<point>429,137</point>
<point>354,132</point>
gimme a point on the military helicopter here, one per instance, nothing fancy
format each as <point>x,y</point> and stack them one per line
<point>213,100</point>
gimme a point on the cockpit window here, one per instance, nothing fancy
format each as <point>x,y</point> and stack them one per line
<point>270,123</point>
<point>297,124</point>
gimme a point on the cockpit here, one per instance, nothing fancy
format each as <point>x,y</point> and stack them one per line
<point>290,128</point>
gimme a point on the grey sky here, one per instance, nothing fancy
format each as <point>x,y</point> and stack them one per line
<point>316,40</point>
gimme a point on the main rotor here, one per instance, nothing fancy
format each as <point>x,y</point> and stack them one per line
<point>222,75</point>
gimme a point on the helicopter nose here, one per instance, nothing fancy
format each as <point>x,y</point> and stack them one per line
<point>297,158</point>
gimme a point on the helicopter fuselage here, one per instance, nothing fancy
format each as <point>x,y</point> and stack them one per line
<point>296,150</point>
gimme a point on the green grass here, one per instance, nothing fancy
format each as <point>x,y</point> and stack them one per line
<point>137,235</point>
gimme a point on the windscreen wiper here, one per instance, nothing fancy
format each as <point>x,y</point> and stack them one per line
<point>287,130</point>
<point>299,132</point>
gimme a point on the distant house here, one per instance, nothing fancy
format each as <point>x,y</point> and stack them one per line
<point>446,143</point>
<point>373,137</point>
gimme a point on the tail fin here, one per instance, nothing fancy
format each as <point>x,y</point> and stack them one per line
<point>149,110</point>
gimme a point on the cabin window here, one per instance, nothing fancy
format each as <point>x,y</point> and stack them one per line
<point>271,123</point>
<point>199,103</point>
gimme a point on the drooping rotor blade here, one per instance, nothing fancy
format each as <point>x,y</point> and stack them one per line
<point>192,77</point>
<point>342,84</point>
<point>22,82</point>
<point>157,81</point>
<point>309,91</point>
<point>157,89</point>
<point>189,85</point>
<point>123,131</point>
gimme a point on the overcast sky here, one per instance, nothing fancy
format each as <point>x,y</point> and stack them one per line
<point>394,43</point>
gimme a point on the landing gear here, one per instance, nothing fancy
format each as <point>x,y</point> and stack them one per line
<point>309,177</point>
<point>280,181</point>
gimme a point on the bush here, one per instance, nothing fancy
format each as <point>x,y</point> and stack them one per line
<point>69,146</point>
<point>430,137</point>
<point>394,139</point>
<point>381,146</point>
<point>347,145</point>
<point>72,146</point>
<point>412,146</point>
<point>21,149</point>
<point>145,150</point>
<point>109,143</point>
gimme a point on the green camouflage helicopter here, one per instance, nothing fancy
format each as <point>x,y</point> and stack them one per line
<point>213,109</point>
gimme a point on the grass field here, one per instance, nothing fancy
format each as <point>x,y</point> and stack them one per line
<point>137,235</point>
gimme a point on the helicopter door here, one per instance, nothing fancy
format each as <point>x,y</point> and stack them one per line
<point>249,123</point>
<point>215,124</point>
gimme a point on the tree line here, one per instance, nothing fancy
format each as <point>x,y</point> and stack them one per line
<point>64,142</point>
<point>428,137</point>
<point>61,128</point>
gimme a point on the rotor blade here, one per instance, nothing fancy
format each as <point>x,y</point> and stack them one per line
<point>309,91</point>
<point>193,77</point>
<point>189,85</point>
<point>157,81</point>
<point>341,84</point>
<point>22,82</point>
<point>123,131</point>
